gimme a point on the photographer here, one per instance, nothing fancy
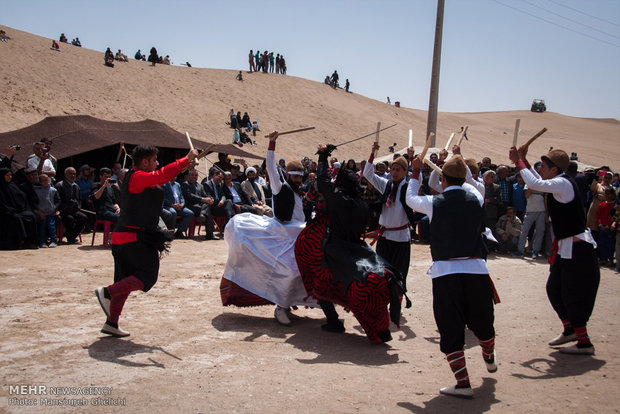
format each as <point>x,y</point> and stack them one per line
<point>41,160</point>
<point>7,160</point>
<point>104,197</point>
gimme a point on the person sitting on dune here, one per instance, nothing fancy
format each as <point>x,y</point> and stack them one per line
<point>3,36</point>
<point>120,56</point>
<point>55,45</point>
<point>109,58</point>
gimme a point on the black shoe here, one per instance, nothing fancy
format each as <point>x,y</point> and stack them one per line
<point>179,235</point>
<point>211,237</point>
<point>334,326</point>
<point>385,336</point>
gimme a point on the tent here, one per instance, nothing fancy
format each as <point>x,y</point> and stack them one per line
<point>83,139</point>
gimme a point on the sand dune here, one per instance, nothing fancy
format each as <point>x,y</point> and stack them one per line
<point>38,82</point>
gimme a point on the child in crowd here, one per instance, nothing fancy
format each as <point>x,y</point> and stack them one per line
<point>47,210</point>
<point>254,128</point>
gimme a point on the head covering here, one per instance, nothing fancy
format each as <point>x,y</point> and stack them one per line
<point>402,161</point>
<point>337,165</point>
<point>473,166</point>
<point>347,180</point>
<point>295,168</point>
<point>249,170</point>
<point>455,167</point>
<point>558,158</point>
<point>86,167</point>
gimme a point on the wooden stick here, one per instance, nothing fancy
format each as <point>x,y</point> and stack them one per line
<point>191,146</point>
<point>198,157</point>
<point>120,151</point>
<point>88,212</point>
<point>449,142</point>
<point>542,131</point>
<point>433,165</point>
<point>516,134</point>
<point>410,138</point>
<point>377,135</point>
<point>293,131</point>
<point>427,146</point>
<point>462,135</point>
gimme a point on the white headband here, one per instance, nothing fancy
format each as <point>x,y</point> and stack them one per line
<point>295,173</point>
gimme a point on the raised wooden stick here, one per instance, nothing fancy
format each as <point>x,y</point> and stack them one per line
<point>542,131</point>
<point>516,134</point>
<point>410,138</point>
<point>433,165</point>
<point>377,135</point>
<point>427,146</point>
<point>191,146</point>
<point>198,157</point>
<point>293,131</point>
<point>462,135</point>
<point>447,148</point>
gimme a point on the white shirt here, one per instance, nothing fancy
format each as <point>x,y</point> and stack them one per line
<point>276,186</point>
<point>235,194</point>
<point>393,216</point>
<point>33,162</point>
<point>563,192</point>
<point>424,204</point>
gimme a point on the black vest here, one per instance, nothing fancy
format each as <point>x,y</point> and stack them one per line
<point>284,203</point>
<point>567,219</point>
<point>402,198</point>
<point>456,227</point>
<point>142,209</point>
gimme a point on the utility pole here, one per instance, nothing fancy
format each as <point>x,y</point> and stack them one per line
<point>431,123</point>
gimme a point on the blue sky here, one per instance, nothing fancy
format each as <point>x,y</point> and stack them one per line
<point>497,54</point>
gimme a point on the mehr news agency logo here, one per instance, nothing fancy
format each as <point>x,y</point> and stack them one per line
<point>43,395</point>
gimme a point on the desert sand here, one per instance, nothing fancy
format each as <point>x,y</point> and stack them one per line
<point>188,353</point>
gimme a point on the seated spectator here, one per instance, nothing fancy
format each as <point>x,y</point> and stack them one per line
<point>232,191</point>
<point>63,38</point>
<point>76,42</point>
<point>508,230</point>
<point>85,180</point>
<point>196,200</point>
<point>153,58</point>
<point>120,56</point>
<point>108,58</point>
<point>29,188</point>
<point>40,160</point>
<point>255,193</point>
<point>245,139</point>
<point>72,218</point>
<point>175,204</point>
<point>221,207</point>
<point>139,55</point>
<point>55,45</point>
<point>245,122</point>
<point>236,138</point>
<point>47,210</point>
<point>604,220</point>
<point>18,224</point>
<point>166,60</point>
<point>237,175</point>
<point>239,77</point>
<point>104,197</point>
<point>3,36</point>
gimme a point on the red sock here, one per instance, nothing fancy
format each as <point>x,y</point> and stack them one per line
<point>487,349</point>
<point>457,365</point>
<point>119,292</point>
<point>582,336</point>
<point>568,328</point>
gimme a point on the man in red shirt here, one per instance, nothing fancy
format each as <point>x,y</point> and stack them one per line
<point>137,240</point>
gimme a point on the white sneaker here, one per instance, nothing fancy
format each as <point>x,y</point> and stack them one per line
<point>103,301</point>
<point>110,330</point>
<point>43,246</point>
<point>563,339</point>
<point>467,392</point>
<point>574,350</point>
<point>281,316</point>
<point>492,366</point>
<point>52,245</point>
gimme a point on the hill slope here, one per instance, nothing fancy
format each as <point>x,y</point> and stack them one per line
<point>38,82</point>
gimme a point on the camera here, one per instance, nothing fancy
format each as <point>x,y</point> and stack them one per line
<point>17,147</point>
<point>112,181</point>
<point>45,150</point>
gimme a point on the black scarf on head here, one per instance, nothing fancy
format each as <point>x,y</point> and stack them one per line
<point>12,199</point>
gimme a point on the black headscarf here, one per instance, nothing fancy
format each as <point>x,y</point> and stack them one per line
<point>12,199</point>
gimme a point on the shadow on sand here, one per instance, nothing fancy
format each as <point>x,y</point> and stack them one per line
<point>306,335</point>
<point>559,365</point>
<point>110,349</point>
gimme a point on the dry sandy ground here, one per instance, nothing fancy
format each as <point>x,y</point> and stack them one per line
<point>187,353</point>
<point>74,81</point>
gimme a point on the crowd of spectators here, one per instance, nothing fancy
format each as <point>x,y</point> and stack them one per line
<point>265,62</point>
<point>516,215</point>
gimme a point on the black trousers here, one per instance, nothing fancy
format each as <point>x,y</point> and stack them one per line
<point>74,224</point>
<point>573,283</point>
<point>204,211</point>
<point>461,300</point>
<point>226,210</point>
<point>396,253</point>
<point>136,259</point>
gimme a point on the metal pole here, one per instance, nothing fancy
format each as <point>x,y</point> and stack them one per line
<point>431,123</point>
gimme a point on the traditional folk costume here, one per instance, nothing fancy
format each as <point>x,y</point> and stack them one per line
<point>574,273</point>
<point>261,268</point>
<point>393,234</point>
<point>338,267</point>
<point>463,293</point>
<point>137,240</point>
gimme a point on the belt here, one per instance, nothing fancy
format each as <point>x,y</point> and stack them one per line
<point>376,234</point>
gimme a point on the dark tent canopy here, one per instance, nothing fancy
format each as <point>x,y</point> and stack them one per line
<point>83,139</point>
